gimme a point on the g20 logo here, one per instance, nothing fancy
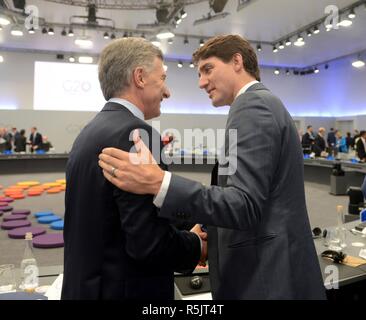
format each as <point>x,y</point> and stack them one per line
<point>76,86</point>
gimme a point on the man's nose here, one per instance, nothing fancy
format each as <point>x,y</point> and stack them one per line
<point>166,93</point>
<point>202,82</point>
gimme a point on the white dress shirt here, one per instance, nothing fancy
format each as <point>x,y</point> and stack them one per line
<point>160,197</point>
<point>130,106</point>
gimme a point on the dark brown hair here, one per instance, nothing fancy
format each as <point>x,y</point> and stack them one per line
<point>224,48</point>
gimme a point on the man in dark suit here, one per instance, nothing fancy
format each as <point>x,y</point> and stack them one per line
<point>35,139</point>
<point>319,142</point>
<point>307,140</point>
<point>116,246</point>
<point>259,237</point>
<point>361,146</point>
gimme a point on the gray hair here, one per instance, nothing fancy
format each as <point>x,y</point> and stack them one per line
<point>119,59</point>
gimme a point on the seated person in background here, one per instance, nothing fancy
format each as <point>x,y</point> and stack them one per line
<point>319,143</point>
<point>341,143</point>
<point>361,146</point>
<point>46,145</point>
<point>20,142</point>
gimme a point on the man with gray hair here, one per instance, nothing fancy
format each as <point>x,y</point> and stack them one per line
<point>116,246</point>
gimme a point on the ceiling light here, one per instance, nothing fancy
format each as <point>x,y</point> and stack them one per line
<point>352,14</point>
<point>71,33</point>
<point>63,32</point>
<point>44,30</point>
<point>345,23</point>
<point>281,46</point>
<point>180,64</point>
<point>185,40</point>
<point>259,48</point>
<point>183,14</point>
<point>191,65</point>
<point>358,63</point>
<point>71,59</point>
<point>300,38</point>
<point>275,49</point>
<point>165,34</point>
<point>106,35</point>
<point>287,72</point>
<point>299,43</point>
<point>84,42</point>
<point>31,31</point>
<point>202,42</point>
<point>85,59</point>
<point>277,72</point>
<point>309,33</point>
<point>288,42</point>
<point>1,59</point>
<point>16,31</point>
<point>316,30</point>
<point>156,43</point>
<point>170,41</point>
<point>113,36</point>
<point>326,67</point>
<point>178,20</point>
<point>316,70</point>
<point>4,20</point>
<point>51,32</point>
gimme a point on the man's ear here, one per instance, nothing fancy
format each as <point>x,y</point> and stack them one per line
<point>138,77</point>
<point>237,61</point>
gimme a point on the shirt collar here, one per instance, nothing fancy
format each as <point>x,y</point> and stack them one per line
<point>130,106</point>
<point>246,87</point>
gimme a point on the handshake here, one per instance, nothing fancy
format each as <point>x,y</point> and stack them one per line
<point>203,235</point>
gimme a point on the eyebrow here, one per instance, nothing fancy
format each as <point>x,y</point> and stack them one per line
<point>204,66</point>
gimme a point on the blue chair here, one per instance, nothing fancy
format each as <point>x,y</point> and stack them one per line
<point>57,225</point>
<point>43,214</point>
<point>48,219</point>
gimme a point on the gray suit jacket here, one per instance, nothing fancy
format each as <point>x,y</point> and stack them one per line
<point>260,241</point>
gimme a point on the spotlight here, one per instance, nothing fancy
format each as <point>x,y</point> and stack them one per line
<point>352,14</point>
<point>156,43</point>
<point>309,33</point>
<point>16,31</point>
<point>326,66</point>
<point>288,42</point>
<point>287,72</point>
<point>71,59</point>
<point>185,40</point>
<point>170,41</point>
<point>275,49</point>
<point>316,70</point>
<point>316,30</point>
<point>180,64</point>
<point>4,20</point>
<point>31,31</point>
<point>202,42</point>
<point>113,36</point>
<point>84,42</point>
<point>71,33</point>
<point>44,30</point>
<point>259,48</point>
<point>178,20</point>
<point>296,73</point>
<point>183,14</point>
<point>281,46</point>
<point>51,32</point>
<point>106,35</point>
<point>63,32</point>
<point>345,23</point>
<point>165,34</point>
<point>191,65</point>
<point>299,43</point>
<point>277,71</point>
<point>300,38</point>
<point>358,63</point>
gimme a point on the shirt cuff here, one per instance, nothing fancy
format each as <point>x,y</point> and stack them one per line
<point>160,197</point>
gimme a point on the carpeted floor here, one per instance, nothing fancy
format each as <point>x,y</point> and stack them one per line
<point>321,208</point>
